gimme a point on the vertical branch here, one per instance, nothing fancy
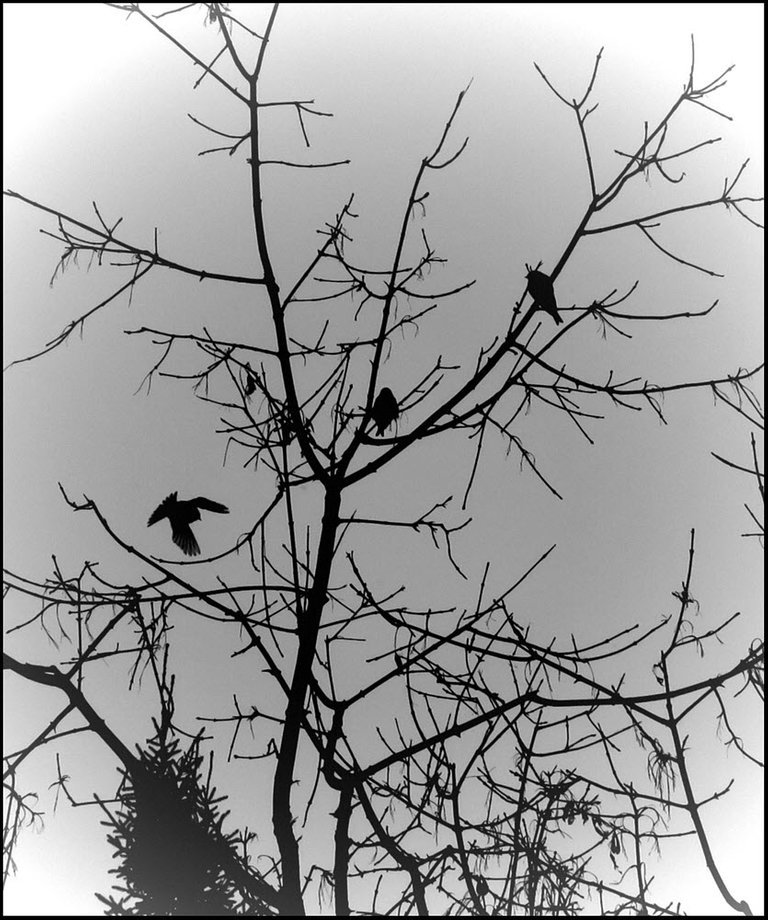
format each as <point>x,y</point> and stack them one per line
<point>308,627</point>
<point>270,282</point>
<point>461,846</point>
<point>693,807</point>
<point>692,804</point>
<point>341,851</point>
<point>641,886</point>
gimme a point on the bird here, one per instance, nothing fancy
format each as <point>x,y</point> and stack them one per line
<point>181,514</point>
<point>543,292</point>
<point>250,380</point>
<point>384,410</point>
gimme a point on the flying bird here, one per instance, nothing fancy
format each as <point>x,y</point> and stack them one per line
<point>181,514</point>
<point>384,410</point>
<point>543,292</point>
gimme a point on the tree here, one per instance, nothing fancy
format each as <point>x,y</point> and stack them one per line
<point>479,762</point>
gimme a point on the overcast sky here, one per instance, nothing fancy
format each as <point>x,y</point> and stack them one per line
<point>96,110</point>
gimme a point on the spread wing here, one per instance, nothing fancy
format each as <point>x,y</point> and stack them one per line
<point>162,509</point>
<point>184,538</point>
<point>208,505</point>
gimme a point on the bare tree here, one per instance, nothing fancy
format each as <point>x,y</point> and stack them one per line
<point>516,770</point>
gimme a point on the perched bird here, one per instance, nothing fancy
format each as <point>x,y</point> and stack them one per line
<point>384,410</point>
<point>181,514</point>
<point>543,292</point>
<point>250,380</point>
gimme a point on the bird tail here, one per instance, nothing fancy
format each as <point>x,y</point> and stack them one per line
<point>184,538</point>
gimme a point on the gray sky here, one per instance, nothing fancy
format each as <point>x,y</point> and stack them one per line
<point>95,110</point>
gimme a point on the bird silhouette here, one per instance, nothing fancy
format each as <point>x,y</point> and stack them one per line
<point>542,290</point>
<point>384,410</point>
<point>181,514</point>
<point>250,380</point>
